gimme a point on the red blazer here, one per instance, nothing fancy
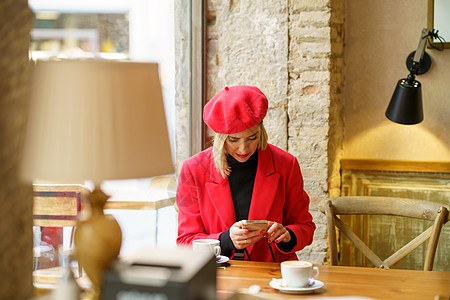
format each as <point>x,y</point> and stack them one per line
<point>206,207</point>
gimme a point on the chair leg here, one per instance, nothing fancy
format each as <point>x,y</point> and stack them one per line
<point>329,212</point>
<point>440,220</point>
<point>35,263</point>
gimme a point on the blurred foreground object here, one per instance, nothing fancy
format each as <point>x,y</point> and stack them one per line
<point>152,273</point>
<point>96,120</point>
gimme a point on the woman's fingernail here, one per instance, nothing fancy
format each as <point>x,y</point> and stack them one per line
<point>276,241</point>
<point>246,231</point>
<point>261,232</point>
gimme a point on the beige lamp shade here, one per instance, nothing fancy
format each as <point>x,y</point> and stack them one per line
<point>96,120</point>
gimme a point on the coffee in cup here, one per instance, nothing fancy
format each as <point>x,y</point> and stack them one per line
<point>297,273</point>
<point>212,245</point>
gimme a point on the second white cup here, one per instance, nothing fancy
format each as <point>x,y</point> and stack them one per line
<point>212,245</point>
<point>296,273</point>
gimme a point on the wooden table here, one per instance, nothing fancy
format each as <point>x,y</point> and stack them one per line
<point>339,281</point>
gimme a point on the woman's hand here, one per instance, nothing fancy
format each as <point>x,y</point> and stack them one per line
<point>243,238</point>
<point>277,233</point>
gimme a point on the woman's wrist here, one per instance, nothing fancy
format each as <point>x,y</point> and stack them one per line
<point>286,247</point>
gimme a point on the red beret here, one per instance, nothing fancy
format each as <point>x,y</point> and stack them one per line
<point>235,109</point>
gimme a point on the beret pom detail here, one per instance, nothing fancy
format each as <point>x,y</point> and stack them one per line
<point>235,109</point>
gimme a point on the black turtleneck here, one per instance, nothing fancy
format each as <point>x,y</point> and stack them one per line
<point>242,180</point>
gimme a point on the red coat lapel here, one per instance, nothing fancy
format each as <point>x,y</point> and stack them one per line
<point>219,192</point>
<point>264,190</point>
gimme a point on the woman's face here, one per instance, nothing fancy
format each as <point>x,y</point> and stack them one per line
<point>243,144</point>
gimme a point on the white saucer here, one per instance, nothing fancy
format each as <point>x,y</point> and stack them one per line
<point>222,259</point>
<point>279,285</point>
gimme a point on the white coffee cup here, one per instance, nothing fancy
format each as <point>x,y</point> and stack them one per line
<point>212,245</point>
<point>297,273</point>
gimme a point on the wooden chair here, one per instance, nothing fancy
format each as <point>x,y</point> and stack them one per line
<point>58,205</point>
<point>369,205</point>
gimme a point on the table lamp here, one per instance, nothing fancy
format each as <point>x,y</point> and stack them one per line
<point>96,120</point>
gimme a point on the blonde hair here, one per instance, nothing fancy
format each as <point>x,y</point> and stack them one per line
<point>219,151</point>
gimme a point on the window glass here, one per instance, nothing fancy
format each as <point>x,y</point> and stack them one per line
<point>66,29</point>
<point>73,35</point>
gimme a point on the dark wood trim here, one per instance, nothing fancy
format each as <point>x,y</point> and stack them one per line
<point>395,165</point>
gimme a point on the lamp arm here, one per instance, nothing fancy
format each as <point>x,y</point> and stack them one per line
<point>418,55</point>
<point>421,47</point>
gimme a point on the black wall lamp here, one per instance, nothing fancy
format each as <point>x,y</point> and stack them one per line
<point>405,106</point>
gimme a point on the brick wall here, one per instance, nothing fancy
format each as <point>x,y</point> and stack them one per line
<point>247,43</point>
<point>315,104</point>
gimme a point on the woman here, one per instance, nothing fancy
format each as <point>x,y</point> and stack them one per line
<point>243,177</point>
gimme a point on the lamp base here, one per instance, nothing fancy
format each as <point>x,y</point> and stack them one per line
<point>424,66</point>
<point>97,241</point>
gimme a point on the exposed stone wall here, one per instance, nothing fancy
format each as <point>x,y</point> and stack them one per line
<point>293,51</point>
<point>16,235</point>
<point>247,44</point>
<point>309,106</point>
<point>182,86</point>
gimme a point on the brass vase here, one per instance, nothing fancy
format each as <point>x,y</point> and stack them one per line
<point>97,241</point>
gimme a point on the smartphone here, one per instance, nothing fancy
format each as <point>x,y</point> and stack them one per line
<point>252,225</point>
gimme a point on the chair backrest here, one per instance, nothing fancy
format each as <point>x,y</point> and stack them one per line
<point>370,205</point>
<point>58,205</point>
